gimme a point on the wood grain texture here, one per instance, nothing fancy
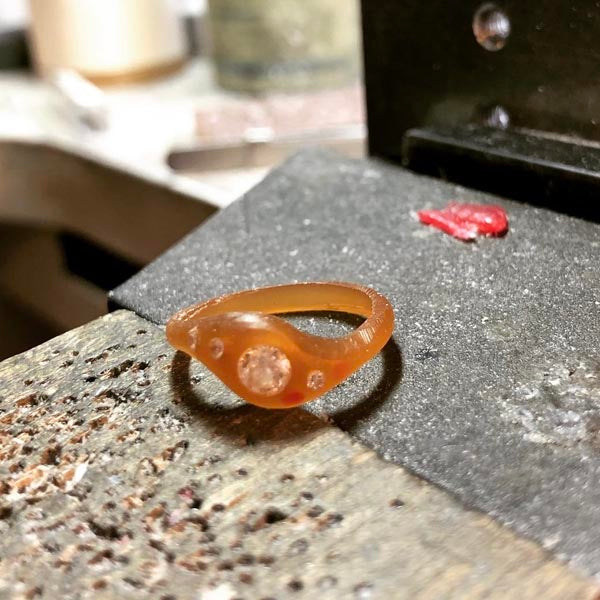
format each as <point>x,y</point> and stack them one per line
<point>127,472</point>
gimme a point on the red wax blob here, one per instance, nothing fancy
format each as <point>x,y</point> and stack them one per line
<point>467,221</point>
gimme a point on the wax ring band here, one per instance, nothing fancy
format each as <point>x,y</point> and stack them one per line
<point>266,360</point>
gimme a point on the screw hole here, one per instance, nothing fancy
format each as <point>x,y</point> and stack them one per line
<point>491,27</point>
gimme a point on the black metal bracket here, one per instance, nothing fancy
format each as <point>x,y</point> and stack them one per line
<point>521,119</point>
<point>561,175</point>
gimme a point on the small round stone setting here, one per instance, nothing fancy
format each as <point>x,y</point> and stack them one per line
<point>264,370</point>
<point>216,347</point>
<point>315,380</point>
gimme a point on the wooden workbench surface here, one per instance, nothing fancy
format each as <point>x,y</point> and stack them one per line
<point>127,472</point>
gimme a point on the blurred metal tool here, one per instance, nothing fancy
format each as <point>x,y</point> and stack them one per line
<point>260,147</point>
<point>87,100</point>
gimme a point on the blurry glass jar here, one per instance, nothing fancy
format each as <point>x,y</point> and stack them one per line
<point>287,45</point>
<point>107,41</point>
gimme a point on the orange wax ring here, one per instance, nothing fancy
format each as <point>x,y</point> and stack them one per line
<point>266,360</point>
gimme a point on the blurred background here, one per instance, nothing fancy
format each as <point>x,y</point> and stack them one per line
<point>125,123</point>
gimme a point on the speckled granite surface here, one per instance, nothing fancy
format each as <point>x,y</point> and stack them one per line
<point>498,398</point>
<point>126,472</point>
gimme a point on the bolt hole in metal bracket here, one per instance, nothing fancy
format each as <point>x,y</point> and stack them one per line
<point>502,97</point>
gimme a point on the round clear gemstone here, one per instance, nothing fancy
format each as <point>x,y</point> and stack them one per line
<point>216,347</point>
<point>264,370</point>
<point>315,380</point>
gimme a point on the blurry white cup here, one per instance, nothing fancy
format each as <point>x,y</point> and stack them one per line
<point>107,41</point>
